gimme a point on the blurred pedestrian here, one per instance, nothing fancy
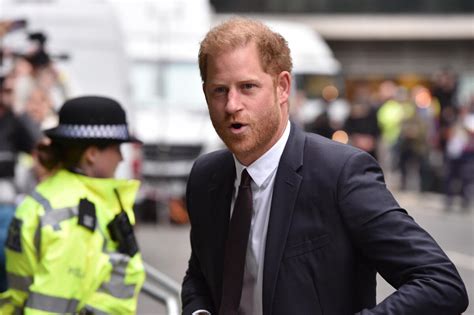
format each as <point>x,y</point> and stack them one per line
<point>412,146</point>
<point>333,113</point>
<point>460,157</point>
<point>44,71</point>
<point>444,90</point>
<point>29,169</point>
<point>40,108</point>
<point>311,221</point>
<point>362,128</point>
<point>389,116</point>
<point>36,70</point>
<point>425,127</point>
<point>15,137</point>
<point>71,246</point>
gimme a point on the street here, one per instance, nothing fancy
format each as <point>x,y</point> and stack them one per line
<point>166,246</point>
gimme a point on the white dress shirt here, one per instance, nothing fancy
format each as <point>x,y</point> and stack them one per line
<point>263,173</point>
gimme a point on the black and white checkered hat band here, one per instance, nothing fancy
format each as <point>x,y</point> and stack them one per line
<point>115,132</point>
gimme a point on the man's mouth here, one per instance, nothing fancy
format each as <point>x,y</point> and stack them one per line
<point>236,126</point>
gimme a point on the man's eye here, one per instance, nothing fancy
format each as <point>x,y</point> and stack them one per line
<point>220,90</point>
<point>248,86</point>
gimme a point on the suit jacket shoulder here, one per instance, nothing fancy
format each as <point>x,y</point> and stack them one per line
<point>210,163</point>
<point>320,159</point>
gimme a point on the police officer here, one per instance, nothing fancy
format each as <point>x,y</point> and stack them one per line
<point>71,247</point>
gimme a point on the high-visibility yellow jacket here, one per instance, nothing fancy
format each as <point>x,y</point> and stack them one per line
<point>57,265</point>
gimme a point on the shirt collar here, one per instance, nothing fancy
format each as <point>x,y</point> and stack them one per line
<point>263,167</point>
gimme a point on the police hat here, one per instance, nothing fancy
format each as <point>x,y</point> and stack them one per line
<point>91,119</point>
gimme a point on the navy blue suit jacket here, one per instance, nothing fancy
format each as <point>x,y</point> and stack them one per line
<point>333,224</point>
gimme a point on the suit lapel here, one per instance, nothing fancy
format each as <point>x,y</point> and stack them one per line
<point>285,192</point>
<point>220,190</point>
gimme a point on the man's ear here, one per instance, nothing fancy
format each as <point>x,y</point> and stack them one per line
<point>283,87</point>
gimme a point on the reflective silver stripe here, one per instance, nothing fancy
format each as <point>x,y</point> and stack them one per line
<point>45,203</point>
<point>116,286</point>
<point>57,216</point>
<point>41,200</point>
<point>52,304</point>
<point>119,262</point>
<point>104,246</point>
<point>95,311</point>
<point>17,282</point>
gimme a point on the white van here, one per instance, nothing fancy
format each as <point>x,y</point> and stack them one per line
<point>88,33</point>
<point>162,40</point>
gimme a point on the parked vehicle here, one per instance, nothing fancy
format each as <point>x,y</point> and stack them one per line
<point>162,42</point>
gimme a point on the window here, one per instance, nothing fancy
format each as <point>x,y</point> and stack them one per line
<point>176,84</point>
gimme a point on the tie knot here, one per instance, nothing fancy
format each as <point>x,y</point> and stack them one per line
<point>245,179</point>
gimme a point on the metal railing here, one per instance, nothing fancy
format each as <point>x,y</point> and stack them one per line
<point>162,289</point>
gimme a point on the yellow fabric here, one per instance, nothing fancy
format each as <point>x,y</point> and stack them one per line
<point>71,262</point>
<point>390,116</point>
<point>6,308</point>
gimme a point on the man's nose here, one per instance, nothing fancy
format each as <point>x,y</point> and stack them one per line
<point>233,104</point>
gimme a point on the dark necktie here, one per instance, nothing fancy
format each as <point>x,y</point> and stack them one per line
<point>236,248</point>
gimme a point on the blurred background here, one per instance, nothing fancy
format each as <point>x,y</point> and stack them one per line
<point>393,78</point>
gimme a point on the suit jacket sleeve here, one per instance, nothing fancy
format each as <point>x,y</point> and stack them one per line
<point>195,294</point>
<point>403,253</point>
